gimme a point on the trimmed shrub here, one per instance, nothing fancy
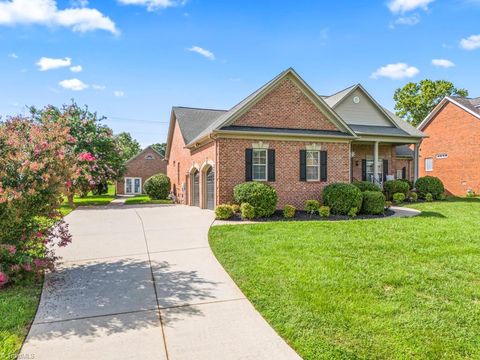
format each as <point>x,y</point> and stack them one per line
<point>223,212</point>
<point>289,211</point>
<point>235,208</point>
<point>441,197</point>
<point>262,197</point>
<point>395,186</point>
<point>247,211</point>
<point>353,212</point>
<point>428,197</point>
<point>429,184</point>
<point>388,204</point>
<point>373,203</point>
<point>398,198</point>
<point>412,196</point>
<point>342,197</point>
<point>157,187</point>
<point>324,211</point>
<point>410,184</point>
<point>366,186</point>
<point>312,206</point>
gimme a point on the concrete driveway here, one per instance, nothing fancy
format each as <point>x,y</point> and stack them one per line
<point>142,283</point>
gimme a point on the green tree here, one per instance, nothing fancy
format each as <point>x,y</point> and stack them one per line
<point>416,100</point>
<point>129,146</point>
<point>160,147</point>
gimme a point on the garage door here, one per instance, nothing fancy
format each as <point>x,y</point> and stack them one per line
<point>210,203</point>
<point>196,189</point>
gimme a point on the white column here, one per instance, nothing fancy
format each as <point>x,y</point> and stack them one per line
<point>416,155</point>
<point>375,162</point>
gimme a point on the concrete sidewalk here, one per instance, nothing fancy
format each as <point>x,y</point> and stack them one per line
<point>140,282</point>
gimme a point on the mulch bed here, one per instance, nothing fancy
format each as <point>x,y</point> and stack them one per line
<point>301,215</point>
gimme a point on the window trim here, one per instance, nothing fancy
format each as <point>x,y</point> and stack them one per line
<point>319,166</point>
<point>133,186</point>
<point>431,164</point>
<point>266,164</point>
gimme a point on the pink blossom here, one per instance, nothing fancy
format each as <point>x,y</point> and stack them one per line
<point>86,156</point>
<point>3,278</point>
<point>15,268</point>
<point>10,248</point>
<point>40,263</point>
<point>27,267</point>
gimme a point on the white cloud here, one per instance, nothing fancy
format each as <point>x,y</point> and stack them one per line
<point>403,6</point>
<point>395,71</point>
<point>152,5</point>
<point>76,68</point>
<point>46,12</point>
<point>443,63</point>
<point>12,56</point>
<point>79,3</point>
<point>73,84</point>
<point>45,63</point>
<point>204,52</point>
<point>408,20</point>
<point>470,43</point>
<point>99,87</point>
<point>118,93</point>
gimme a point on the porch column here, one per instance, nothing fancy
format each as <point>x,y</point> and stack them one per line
<point>375,163</point>
<point>416,155</point>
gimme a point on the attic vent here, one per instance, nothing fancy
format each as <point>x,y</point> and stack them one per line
<point>356,99</point>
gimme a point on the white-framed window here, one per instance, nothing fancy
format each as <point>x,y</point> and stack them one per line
<point>399,174</point>
<point>313,165</point>
<point>369,169</point>
<point>428,164</point>
<point>259,165</point>
<point>133,185</point>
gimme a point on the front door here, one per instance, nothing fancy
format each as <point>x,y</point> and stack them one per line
<point>133,186</point>
<point>196,189</point>
<point>210,189</point>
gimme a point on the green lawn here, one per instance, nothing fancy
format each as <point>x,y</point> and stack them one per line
<point>145,199</point>
<point>18,305</point>
<point>90,200</point>
<point>366,289</point>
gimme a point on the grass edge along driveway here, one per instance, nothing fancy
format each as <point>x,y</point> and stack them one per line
<point>386,289</point>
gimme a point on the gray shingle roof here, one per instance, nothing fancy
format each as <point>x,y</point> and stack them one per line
<point>332,100</point>
<point>471,104</point>
<point>287,131</point>
<point>378,130</point>
<point>192,121</point>
<point>404,151</point>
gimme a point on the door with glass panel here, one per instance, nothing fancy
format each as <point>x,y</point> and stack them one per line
<point>133,186</point>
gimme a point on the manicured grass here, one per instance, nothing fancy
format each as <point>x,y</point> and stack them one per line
<point>90,200</point>
<point>145,199</point>
<point>18,305</point>
<point>366,289</point>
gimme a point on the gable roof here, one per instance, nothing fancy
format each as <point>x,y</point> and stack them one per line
<point>143,151</point>
<point>192,121</point>
<point>227,118</point>
<point>472,106</point>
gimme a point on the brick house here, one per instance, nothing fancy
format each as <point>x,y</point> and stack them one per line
<point>286,135</point>
<point>139,168</point>
<point>452,149</point>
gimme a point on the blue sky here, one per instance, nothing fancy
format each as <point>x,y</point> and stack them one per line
<point>132,60</point>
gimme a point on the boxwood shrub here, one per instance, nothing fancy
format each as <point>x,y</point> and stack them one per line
<point>429,185</point>
<point>262,197</point>
<point>366,186</point>
<point>157,186</point>
<point>312,206</point>
<point>224,212</point>
<point>398,198</point>
<point>289,211</point>
<point>395,186</point>
<point>247,211</point>
<point>342,197</point>
<point>373,203</point>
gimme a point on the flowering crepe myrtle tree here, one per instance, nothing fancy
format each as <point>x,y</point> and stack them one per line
<point>35,164</point>
<point>98,158</point>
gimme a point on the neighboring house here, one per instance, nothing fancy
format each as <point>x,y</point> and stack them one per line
<point>286,135</point>
<point>139,168</point>
<point>452,149</point>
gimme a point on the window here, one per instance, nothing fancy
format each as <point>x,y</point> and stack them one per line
<point>313,165</point>
<point>369,169</point>
<point>259,165</point>
<point>428,164</point>
<point>149,157</point>
<point>399,174</point>
<point>133,185</point>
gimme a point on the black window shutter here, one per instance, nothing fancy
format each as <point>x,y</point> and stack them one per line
<point>303,165</point>
<point>271,165</point>
<point>385,169</point>
<point>364,170</point>
<point>404,172</point>
<point>323,166</point>
<point>248,164</point>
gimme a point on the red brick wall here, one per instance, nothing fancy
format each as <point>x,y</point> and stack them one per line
<point>143,168</point>
<point>455,132</point>
<point>290,190</point>
<point>286,106</point>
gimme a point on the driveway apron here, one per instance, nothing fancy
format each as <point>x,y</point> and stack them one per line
<point>140,282</point>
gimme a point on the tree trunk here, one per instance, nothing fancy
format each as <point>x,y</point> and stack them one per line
<point>70,200</point>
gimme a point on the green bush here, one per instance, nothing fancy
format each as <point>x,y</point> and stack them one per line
<point>223,212</point>
<point>247,211</point>
<point>428,197</point>
<point>289,211</point>
<point>366,186</point>
<point>235,208</point>
<point>157,187</point>
<point>410,184</point>
<point>429,184</point>
<point>412,196</point>
<point>388,204</point>
<point>262,197</point>
<point>341,197</point>
<point>373,203</point>
<point>441,197</point>
<point>312,206</point>
<point>395,186</point>
<point>324,211</point>
<point>398,198</point>
<point>353,212</point>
